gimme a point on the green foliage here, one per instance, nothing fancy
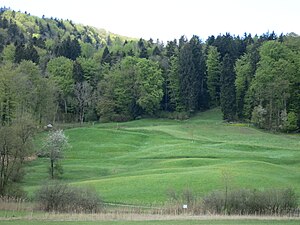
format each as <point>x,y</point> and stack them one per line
<point>8,53</point>
<point>86,73</point>
<point>28,52</point>
<point>87,50</point>
<point>106,57</point>
<point>149,80</point>
<point>142,49</point>
<point>16,146</point>
<point>213,75</point>
<point>272,81</point>
<point>228,95</point>
<point>174,84</point>
<point>290,122</point>
<point>68,48</point>
<point>192,75</point>
<point>60,70</point>
<point>8,93</point>
<point>243,79</point>
<point>133,85</point>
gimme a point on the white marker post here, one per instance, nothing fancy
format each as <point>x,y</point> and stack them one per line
<point>184,207</point>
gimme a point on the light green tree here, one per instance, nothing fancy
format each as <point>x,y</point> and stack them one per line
<point>60,70</point>
<point>243,79</point>
<point>8,53</point>
<point>8,93</point>
<point>150,80</point>
<point>173,84</point>
<point>271,85</point>
<point>213,75</point>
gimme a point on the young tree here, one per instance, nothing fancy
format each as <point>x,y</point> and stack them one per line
<point>82,91</point>
<point>56,142</point>
<point>15,146</point>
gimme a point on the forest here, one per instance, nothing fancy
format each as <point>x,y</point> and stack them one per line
<point>55,71</point>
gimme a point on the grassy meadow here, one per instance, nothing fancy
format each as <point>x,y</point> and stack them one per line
<point>139,162</point>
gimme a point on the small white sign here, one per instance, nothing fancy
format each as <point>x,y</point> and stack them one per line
<point>184,206</point>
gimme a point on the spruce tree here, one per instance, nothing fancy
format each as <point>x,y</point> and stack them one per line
<point>142,49</point>
<point>227,98</point>
<point>106,56</point>
<point>192,76</point>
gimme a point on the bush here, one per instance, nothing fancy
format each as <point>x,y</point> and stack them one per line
<point>243,202</point>
<point>178,199</point>
<point>58,197</point>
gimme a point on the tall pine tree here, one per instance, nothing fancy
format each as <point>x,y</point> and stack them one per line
<point>227,98</point>
<point>192,76</point>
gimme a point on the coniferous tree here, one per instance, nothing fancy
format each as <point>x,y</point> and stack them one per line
<point>78,75</point>
<point>31,54</point>
<point>156,51</point>
<point>192,76</point>
<point>69,48</point>
<point>75,49</point>
<point>171,48</point>
<point>142,49</point>
<point>20,53</point>
<point>106,56</point>
<point>227,98</point>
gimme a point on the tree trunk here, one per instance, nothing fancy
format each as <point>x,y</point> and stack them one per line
<point>66,106</point>
<point>52,169</point>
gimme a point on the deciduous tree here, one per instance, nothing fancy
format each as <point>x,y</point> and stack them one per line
<point>55,144</point>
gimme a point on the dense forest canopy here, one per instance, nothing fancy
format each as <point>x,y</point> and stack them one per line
<point>56,71</point>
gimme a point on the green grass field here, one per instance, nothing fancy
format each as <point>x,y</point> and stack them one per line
<point>138,162</point>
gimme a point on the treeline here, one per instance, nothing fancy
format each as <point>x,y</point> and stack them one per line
<point>58,71</point>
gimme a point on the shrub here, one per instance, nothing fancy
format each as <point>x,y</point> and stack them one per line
<point>58,197</point>
<point>178,199</point>
<point>274,201</point>
<point>258,116</point>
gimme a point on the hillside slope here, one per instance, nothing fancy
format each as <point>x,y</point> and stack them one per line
<point>139,162</point>
<point>27,27</point>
